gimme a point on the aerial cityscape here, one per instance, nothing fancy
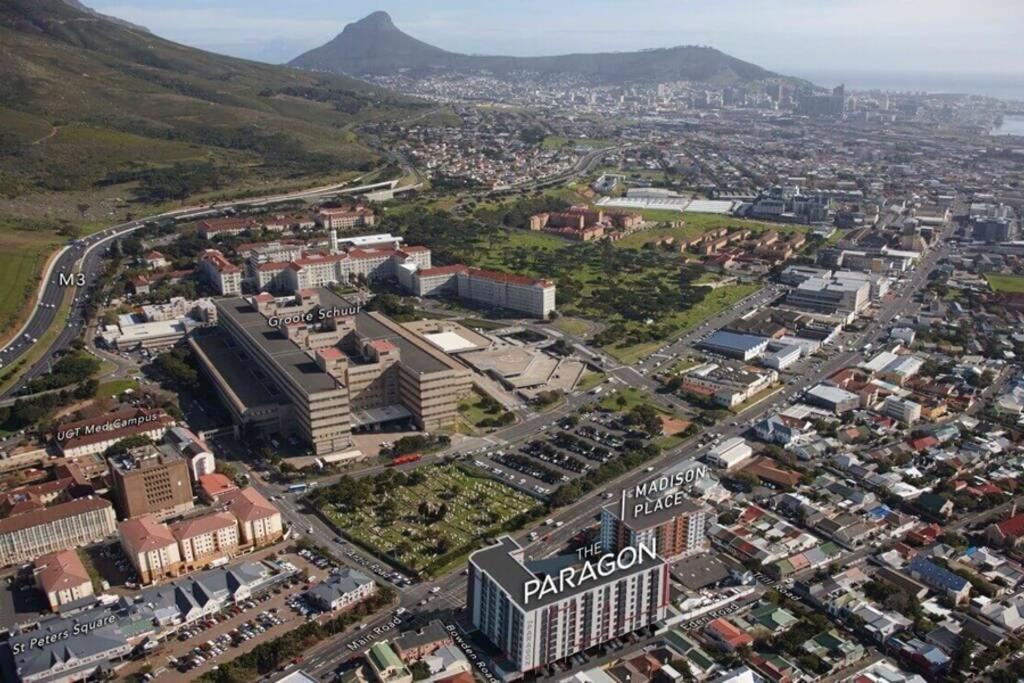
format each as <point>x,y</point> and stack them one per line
<point>585,358</point>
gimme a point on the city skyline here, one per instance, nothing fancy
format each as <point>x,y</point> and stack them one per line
<point>841,40</point>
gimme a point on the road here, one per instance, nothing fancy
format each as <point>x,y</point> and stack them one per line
<point>86,257</point>
<point>322,660</point>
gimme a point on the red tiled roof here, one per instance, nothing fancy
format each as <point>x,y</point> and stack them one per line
<point>506,277</point>
<point>215,484</point>
<point>1012,527</point>
<point>442,270</point>
<point>248,504</point>
<point>729,633</point>
<point>197,526</point>
<point>60,571</point>
<point>145,533</point>
<point>53,513</point>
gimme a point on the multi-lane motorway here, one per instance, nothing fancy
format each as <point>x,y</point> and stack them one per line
<point>85,257</point>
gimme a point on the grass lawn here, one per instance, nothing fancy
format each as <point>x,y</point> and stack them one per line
<point>116,387</point>
<point>669,442</point>
<point>483,324</point>
<point>1005,283</point>
<point>590,380</point>
<point>554,142</point>
<point>473,410</point>
<point>24,249</point>
<point>630,397</point>
<point>477,507</point>
<point>572,326</point>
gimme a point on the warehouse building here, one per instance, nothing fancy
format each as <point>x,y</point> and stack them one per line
<point>732,345</point>
<point>832,399</point>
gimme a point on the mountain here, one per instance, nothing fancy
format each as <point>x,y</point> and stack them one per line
<point>88,103</point>
<point>374,46</point>
<point>89,10</point>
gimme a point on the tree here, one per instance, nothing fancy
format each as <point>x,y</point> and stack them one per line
<point>420,670</point>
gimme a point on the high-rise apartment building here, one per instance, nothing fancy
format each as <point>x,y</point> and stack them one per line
<point>538,612</point>
<point>674,531</point>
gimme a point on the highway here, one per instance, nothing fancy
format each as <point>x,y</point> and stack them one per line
<point>85,257</point>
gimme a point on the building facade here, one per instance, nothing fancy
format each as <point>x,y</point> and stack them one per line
<point>521,609</point>
<point>674,532</point>
<point>149,481</point>
<point>150,547</point>
<point>32,534</point>
<point>62,578</point>
<point>332,368</point>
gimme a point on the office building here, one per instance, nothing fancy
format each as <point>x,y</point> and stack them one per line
<point>489,288</point>
<point>831,295</point>
<point>341,589</point>
<point>146,481</point>
<point>317,367</point>
<point>345,218</point>
<point>781,355</point>
<point>832,399</point>
<point>904,410</point>
<point>727,385</point>
<point>537,614</point>
<point>79,522</point>
<point>730,454</point>
<point>62,649</point>
<point>676,531</point>
<point>259,522</point>
<point>211,227</point>
<point>63,579</point>
<point>151,548</point>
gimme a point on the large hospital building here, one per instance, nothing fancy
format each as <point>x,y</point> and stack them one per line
<point>534,628</point>
<point>315,366</point>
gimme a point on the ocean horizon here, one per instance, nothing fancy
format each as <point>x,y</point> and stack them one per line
<point>1000,86</point>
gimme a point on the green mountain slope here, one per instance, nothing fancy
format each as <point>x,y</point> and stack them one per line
<point>87,103</point>
<point>375,46</point>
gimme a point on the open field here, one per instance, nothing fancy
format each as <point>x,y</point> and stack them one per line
<point>116,387</point>
<point>590,380</point>
<point>1013,284</point>
<point>434,522</point>
<point>625,399</point>
<point>21,262</point>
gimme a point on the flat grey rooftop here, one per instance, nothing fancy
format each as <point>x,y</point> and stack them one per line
<point>513,576</point>
<point>284,353</point>
<point>414,357</point>
<point>244,377</point>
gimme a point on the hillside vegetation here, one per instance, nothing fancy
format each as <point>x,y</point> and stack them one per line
<point>86,103</point>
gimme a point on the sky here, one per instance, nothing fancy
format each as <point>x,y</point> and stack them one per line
<point>922,38</point>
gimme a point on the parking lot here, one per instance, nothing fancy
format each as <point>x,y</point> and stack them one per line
<point>219,638</point>
<point>561,452</point>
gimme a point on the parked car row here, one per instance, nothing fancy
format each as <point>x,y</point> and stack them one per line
<point>379,569</point>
